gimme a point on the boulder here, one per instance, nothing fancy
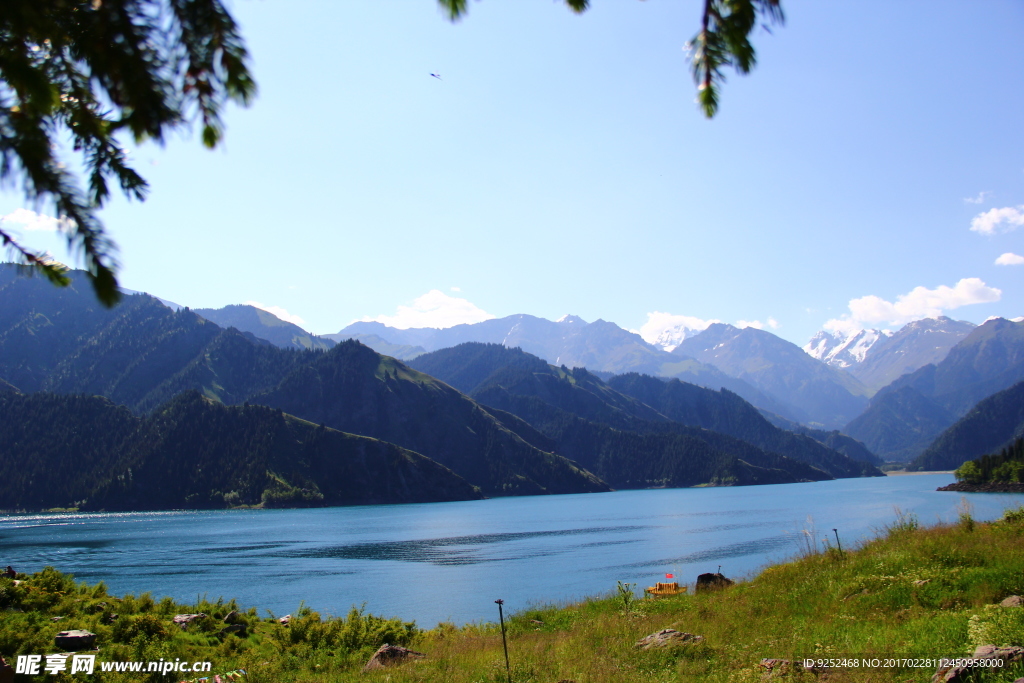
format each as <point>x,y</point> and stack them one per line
<point>391,655</point>
<point>961,674</point>
<point>184,620</point>
<point>1012,601</point>
<point>231,617</point>
<point>712,582</point>
<point>285,620</point>
<point>1010,653</point>
<point>783,667</point>
<point>74,640</point>
<point>237,629</point>
<point>666,637</point>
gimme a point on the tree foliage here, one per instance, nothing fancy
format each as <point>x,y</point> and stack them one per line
<point>79,73</point>
<point>722,41</point>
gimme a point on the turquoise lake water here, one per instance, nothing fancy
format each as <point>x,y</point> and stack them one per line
<point>450,561</point>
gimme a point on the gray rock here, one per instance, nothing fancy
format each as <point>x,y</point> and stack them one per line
<point>774,668</point>
<point>961,674</point>
<point>231,617</point>
<point>1012,601</point>
<point>391,655</point>
<point>712,582</point>
<point>286,619</point>
<point>237,629</point>
<point>1011,653</point>
<point>667,637</point>
<point>75,640</point>
<point>922,582</point>
<point>183,620</point>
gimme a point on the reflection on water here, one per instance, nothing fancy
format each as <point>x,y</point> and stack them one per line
<point>450,561</point>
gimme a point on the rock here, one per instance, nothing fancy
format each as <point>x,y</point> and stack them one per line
<point>961,674</point>
<point>783,667</point>
<point>55,619</point>
<point>666,637</point>
<point>712,582</point>
<point>184,620</point>
<point>1012,601</point>
<point>108,618</point>
<point>237,629</point>
<point>286,619</point>
<point>391,655</point>
<point>1010,653</point>
<point>75,640</point>
<point>231,617</point>
<point>921,582</point>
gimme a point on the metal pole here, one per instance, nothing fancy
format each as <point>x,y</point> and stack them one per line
<point>838,543</point>
<point>504,643</point>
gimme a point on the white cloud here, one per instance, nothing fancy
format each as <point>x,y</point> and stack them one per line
<point>920,302</point>
<point>30,220</point>
<point>277,311</point>
<point>434,309</point>
<point>756,324</point>
<point>1010,259</point>
<point>667,330</point>
<point>980,199</point>
<point>773,323</point>
<point>456,289</point>
<point>990,222</point>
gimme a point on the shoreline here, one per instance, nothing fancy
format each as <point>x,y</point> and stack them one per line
<point>993,487</point>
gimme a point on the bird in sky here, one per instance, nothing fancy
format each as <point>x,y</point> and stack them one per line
<point>437,76</point>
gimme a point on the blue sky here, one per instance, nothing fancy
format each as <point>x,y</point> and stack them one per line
<point>560,165</point>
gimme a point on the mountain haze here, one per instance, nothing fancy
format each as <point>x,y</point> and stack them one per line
<point>264,325</point>
<point>824,395</point>
<point>600,346</point>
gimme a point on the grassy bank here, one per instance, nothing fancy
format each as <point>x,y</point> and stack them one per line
<point>913,592</point>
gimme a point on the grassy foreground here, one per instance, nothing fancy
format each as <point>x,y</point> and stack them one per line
<point>913,592</point>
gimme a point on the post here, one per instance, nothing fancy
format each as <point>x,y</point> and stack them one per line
<point>504,643</point>
<point>841,553</point>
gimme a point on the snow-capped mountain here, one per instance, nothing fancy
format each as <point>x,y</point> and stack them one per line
<point>843,350</point>
<point>877,357</point>
<point>671,338</point>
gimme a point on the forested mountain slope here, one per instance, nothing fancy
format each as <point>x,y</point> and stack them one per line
<point>907,415</point>
<point>86,452</point>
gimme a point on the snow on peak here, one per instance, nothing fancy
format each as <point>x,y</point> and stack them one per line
<point>667,331</point>
<point>567,318</point>
<point>841,349</point>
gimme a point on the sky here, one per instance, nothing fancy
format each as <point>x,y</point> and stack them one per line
<point>868,172</point>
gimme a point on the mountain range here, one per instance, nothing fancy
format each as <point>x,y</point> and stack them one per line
<point>181,394</point>
<point>605,425</point>
<point>878,357</point>
<point>142,355</point>
<point>905,416</point>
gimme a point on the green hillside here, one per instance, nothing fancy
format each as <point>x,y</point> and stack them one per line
<point>992,424</point>
<point>84,451</point>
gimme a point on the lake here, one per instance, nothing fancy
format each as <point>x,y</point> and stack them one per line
<point>450,561</point>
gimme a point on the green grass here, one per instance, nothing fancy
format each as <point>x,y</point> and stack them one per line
<point>863,603</point>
